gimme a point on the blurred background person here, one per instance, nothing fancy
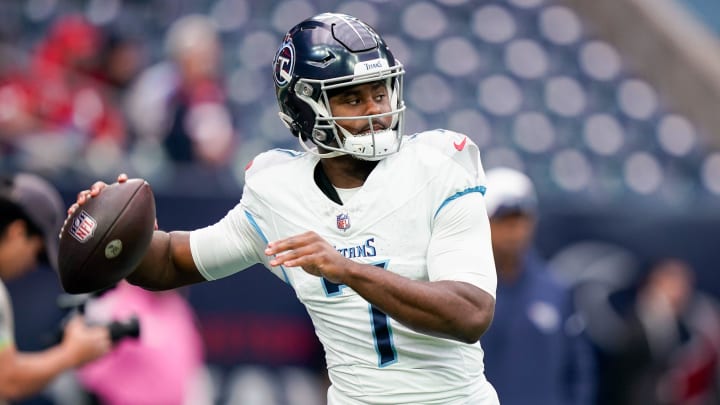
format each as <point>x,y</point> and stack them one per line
<point>180,103</point>
<point>54,110</point>
<point>667,350</point>
<point>121,58</point>
<point>164,366</point>
<point>31,214</point>
<point>535,349</point>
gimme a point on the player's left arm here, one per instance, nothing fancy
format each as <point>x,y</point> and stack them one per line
<point>457,303</point>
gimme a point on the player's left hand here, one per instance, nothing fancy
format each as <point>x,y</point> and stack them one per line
<point>94,191</point>
<point>311,252</point>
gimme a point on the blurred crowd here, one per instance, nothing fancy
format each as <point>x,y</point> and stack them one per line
<point>90,98</point>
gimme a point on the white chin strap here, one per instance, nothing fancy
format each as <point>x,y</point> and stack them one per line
<point>314,150</point>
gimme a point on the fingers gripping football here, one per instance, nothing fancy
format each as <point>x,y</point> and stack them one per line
<point>94,190</point>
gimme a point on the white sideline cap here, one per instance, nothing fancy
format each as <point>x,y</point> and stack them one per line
<point>509,191</point>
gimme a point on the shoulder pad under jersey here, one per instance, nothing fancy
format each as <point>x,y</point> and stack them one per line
<point>456,146</point>
<point>270,158</point>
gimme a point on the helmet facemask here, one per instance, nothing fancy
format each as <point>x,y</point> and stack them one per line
<point>333,139</point>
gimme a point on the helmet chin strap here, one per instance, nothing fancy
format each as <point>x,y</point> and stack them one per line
<point>370,146</point>
<point>289,123</point>
<point>315,151</point>
<point>358,146</point>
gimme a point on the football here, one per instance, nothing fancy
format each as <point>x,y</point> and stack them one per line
<point>106,237</point>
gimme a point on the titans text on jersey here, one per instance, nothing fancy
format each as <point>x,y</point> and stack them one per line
<point>364,250</point>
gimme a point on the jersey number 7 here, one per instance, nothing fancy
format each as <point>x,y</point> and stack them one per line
<point>379,322</point>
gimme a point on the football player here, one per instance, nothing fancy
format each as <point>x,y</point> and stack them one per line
<point>383,236</point>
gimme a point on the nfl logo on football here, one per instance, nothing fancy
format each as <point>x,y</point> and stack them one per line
<point>343,221</point>
<point>83,227</point>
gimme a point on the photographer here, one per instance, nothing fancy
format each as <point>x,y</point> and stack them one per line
<point>163,365</point>
<point>31,214</point>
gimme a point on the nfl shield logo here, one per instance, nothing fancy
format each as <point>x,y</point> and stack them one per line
<point>83,227</point>
<point>343,221</point>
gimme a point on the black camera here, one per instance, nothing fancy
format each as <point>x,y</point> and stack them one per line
<point>75,305</point>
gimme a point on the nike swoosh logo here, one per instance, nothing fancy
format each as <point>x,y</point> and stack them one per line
<point>460,146</point>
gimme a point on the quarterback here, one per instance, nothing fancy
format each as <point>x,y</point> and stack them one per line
<point>383,236</point>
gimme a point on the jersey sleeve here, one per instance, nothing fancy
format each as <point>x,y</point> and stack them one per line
<point>236,241</point>
<point>228,246</point>
<point>460,247</point>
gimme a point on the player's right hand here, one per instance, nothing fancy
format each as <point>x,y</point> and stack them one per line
<point>83,342</point>
<point>94,190</point>
<point>311,252</point>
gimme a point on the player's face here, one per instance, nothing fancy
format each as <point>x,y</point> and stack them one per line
<point>365,99</point>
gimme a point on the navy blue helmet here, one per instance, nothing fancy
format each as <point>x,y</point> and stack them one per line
<point>326,53</point>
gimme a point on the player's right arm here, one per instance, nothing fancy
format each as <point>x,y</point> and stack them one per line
<point>168,262</point>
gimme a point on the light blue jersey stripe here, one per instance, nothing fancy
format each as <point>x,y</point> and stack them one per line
<point>478,189</point>
<point>264,238</point>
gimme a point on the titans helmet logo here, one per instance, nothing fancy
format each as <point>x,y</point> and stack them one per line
<point>284,63</point>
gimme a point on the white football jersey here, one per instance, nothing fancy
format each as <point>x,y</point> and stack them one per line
<point>419,214</point>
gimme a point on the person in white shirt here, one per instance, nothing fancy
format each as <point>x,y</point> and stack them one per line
<point>383,236</point>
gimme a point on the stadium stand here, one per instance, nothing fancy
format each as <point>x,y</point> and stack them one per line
<point>531,81</point>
